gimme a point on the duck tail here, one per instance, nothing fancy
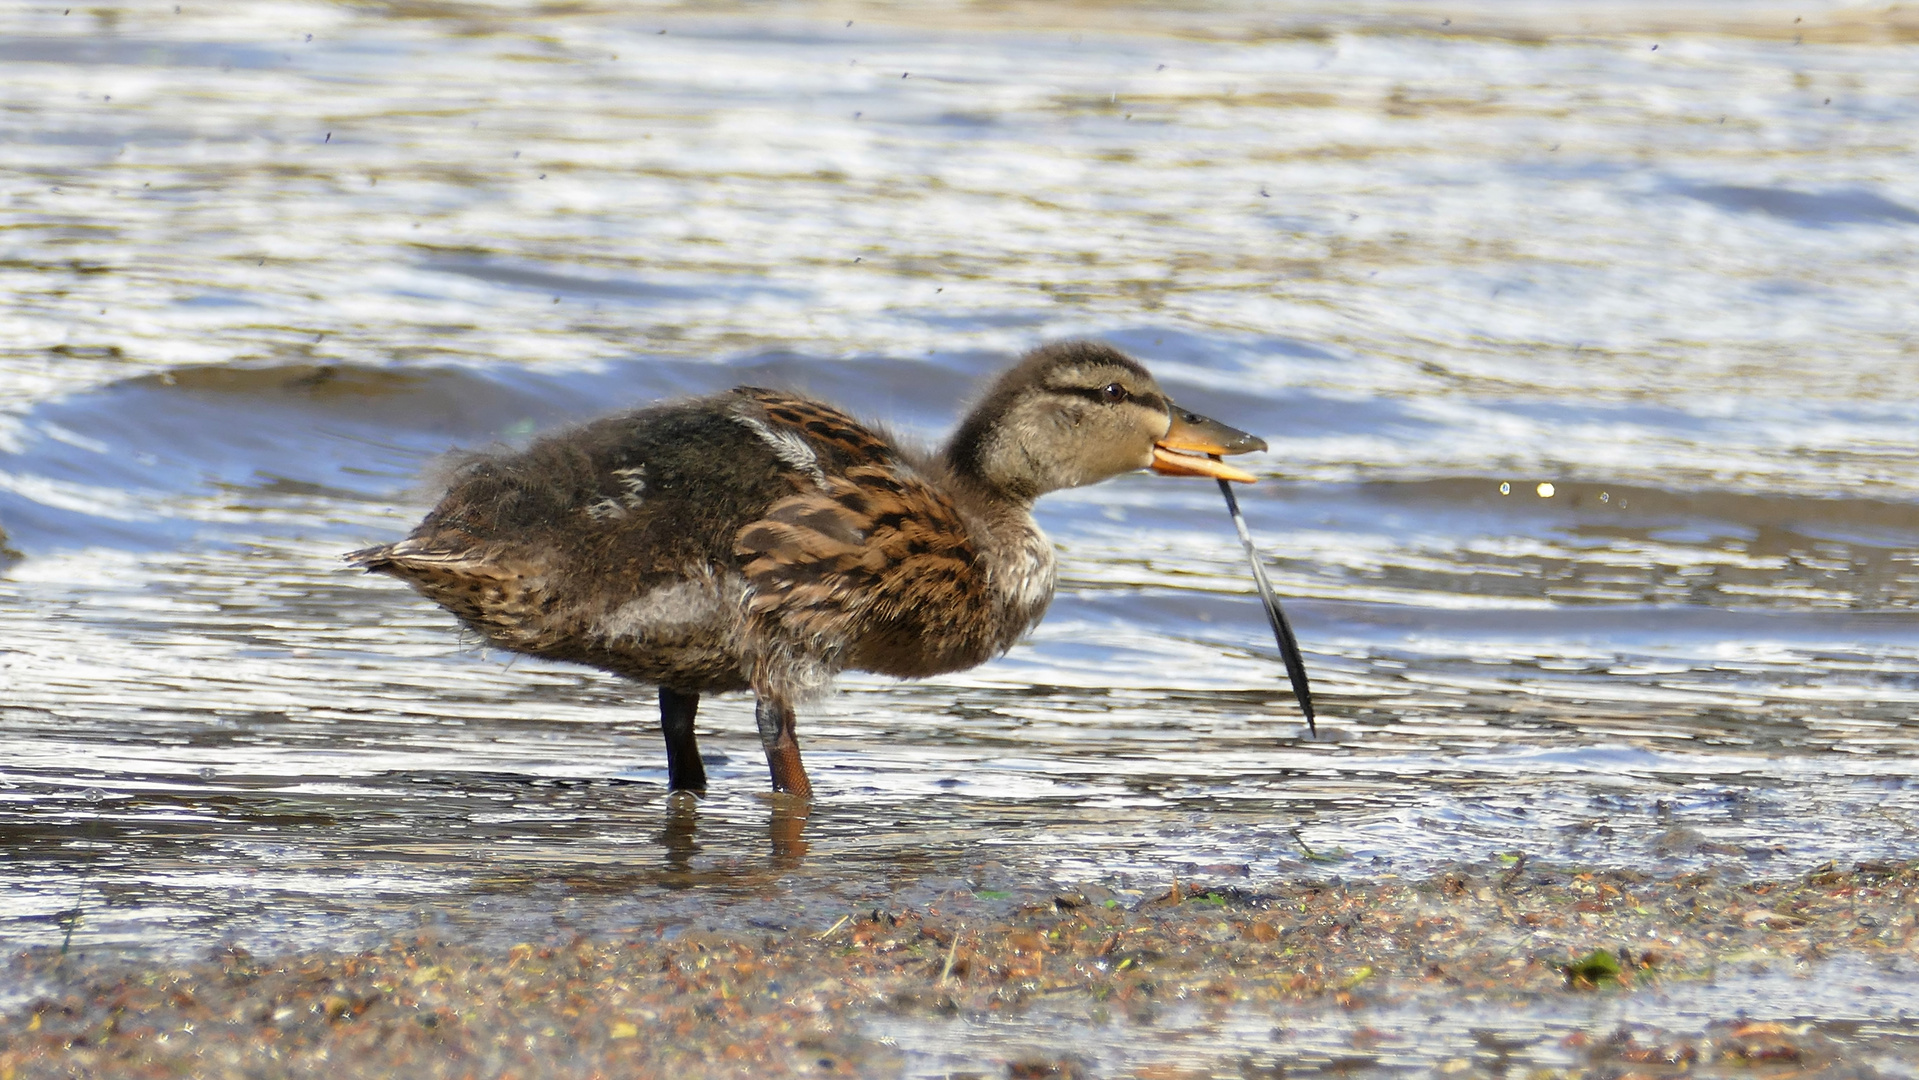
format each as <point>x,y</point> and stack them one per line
<point>374,560</point>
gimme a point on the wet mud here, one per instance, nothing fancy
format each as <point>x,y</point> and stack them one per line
<point>1543,971</point>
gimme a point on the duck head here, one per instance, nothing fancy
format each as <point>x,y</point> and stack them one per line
<point>1079,412</point>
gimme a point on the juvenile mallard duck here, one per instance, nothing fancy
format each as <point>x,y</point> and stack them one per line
<point>759,540</point>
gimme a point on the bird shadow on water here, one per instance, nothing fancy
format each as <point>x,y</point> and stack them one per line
<point>679,838</point>
<point>680,862</point>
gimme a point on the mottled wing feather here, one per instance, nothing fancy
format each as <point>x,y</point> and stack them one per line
<point>825,427</point>
<point>873,547</point>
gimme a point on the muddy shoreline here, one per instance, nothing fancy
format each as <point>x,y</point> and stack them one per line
<point>833,999</point>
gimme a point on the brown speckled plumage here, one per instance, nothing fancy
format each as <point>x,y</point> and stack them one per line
<point>759,540</point>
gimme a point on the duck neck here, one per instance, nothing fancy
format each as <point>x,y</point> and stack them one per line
<point>998,502</point>
<point>991,465</point>
<point>1018,557</point>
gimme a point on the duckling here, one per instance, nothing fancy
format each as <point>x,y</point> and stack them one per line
<point>762,540</point>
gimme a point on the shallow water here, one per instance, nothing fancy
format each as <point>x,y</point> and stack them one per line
<point>262,266</point>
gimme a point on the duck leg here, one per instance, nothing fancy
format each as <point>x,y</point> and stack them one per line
<point>684,770</point>
<point>777,724</point>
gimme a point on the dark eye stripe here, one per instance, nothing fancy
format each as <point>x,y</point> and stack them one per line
<point>1098,393</point>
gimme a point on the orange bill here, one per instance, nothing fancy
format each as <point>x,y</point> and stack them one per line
<point>1181,452</point>
<point>1173,463</point>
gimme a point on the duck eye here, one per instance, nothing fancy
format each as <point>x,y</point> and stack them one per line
<point>1113,392</point>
